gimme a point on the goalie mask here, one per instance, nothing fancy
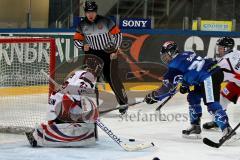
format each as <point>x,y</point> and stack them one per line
<point>224,46</point>
<point>94,65</point>
<point>169,51</point>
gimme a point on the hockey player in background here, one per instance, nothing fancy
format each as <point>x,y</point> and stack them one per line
<point>229,61</point>
<point>72,113</point>
<point>190,69</point>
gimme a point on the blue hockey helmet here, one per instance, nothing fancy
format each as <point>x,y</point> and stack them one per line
<point>168,51</point>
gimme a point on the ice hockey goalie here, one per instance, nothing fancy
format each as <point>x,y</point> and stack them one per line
<point>72,113</point>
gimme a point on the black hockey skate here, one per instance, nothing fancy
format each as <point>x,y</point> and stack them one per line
<point>210,125</point>
<point>192,133</point>
<point>31,139</point>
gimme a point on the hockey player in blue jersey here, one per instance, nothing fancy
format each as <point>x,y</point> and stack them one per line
<point>190,69</point>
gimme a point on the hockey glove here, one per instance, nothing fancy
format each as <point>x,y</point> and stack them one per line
<point>151,98</point>
<point>184,89</point>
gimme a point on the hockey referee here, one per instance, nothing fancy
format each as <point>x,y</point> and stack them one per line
<point>98,32</point>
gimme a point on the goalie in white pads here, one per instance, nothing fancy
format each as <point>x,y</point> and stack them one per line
<point>72,114</point>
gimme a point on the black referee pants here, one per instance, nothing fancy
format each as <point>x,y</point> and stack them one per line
<point>110,72</point>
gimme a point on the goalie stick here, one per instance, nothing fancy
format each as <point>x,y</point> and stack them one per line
<point>58,86</point>
<point>222,140</point>
<point>125,146</point>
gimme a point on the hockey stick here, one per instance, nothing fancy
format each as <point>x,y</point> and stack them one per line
<point>222,140</point>
<point>126,146</point>
<point>121,107</point>
<point>163,103</point>
<point>58,86</point>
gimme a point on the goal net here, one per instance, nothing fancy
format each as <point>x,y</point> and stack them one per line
<point>23,89</point>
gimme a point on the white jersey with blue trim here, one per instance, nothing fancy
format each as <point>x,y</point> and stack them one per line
<point>189,68</point>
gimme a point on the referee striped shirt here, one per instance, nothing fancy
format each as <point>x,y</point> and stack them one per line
<point>98,34</point>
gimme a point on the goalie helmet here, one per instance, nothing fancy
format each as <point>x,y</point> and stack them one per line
<point>94,65</point>
<point>224,46</point>
<point>90,6</point>
<point>168,51</point>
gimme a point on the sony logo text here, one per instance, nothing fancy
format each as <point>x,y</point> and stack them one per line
<point>134,23</point>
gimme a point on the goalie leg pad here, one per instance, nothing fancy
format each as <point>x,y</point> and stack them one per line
<point>65,135</point>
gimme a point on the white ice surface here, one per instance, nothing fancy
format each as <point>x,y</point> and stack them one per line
<point>165,134</point>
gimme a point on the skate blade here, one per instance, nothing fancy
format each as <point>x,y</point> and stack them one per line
<point>192,136</point>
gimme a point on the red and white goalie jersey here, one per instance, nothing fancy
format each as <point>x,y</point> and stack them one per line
<point>230,64</point>
<point>73,101</point>
<point>80,82</point>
